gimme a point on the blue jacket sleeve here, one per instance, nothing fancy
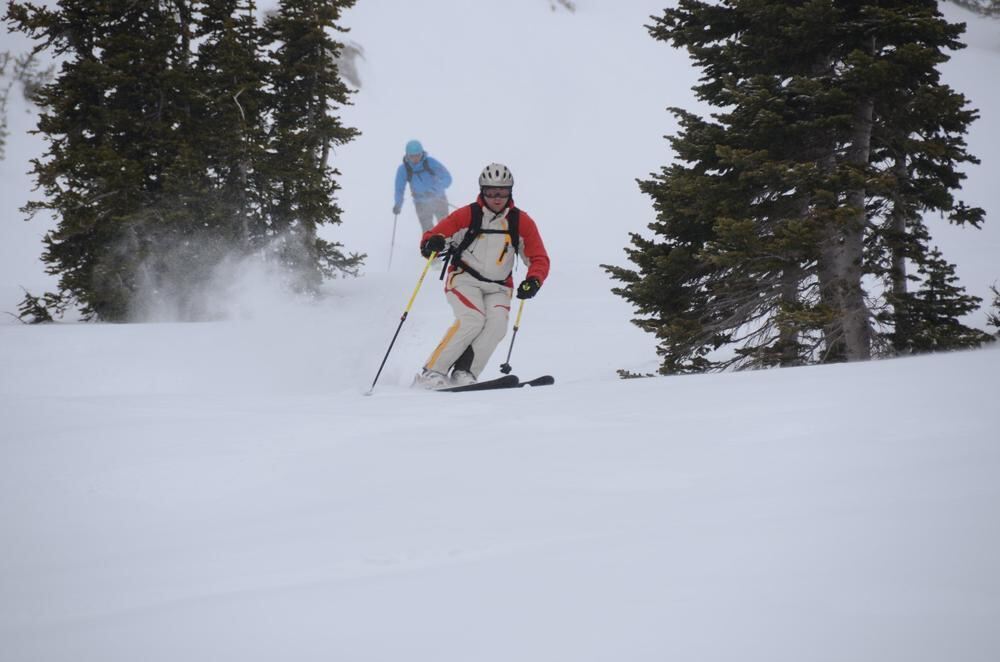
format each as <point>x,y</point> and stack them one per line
<point>440,173</point>
<point>400,185</point>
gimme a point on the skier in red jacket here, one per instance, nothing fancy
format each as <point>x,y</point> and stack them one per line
<point>483,239</point>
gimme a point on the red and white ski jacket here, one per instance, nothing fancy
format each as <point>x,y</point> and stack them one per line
<point>490,254</point>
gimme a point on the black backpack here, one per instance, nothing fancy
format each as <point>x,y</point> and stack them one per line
<point>409,168</point>
<point>476,229</point>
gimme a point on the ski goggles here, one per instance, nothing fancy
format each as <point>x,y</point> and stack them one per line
<point>502,192</point>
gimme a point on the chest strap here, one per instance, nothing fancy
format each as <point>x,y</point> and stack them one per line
<point>459,264</point>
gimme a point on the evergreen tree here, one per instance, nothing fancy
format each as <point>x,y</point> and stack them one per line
<point>108,118</point>
<point>5,87</point>
<point>231,107</point>
<point>994,317</point>
<point>306,89</point>
<point>763,225</point>
<point>178,139</point>
<point>211,200</point>
<point>984,7</point>
<point>933,311</point>
<point>39,309</point>
<point>566,4</point>
<point>22,69</point>
<point>918,148</point>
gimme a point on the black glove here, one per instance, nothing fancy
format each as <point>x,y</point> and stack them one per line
<point>528,288</point>
<point>434,244</point>
<point>395,210</point>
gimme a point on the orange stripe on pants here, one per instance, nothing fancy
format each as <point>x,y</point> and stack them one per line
<point>444,343</point>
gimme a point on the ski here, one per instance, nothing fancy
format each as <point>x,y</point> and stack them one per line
<point>507,381</point>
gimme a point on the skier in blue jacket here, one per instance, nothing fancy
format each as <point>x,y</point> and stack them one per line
<point>428,180</point>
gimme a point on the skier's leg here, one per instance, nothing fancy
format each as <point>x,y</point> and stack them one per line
<point>464,362</point>
<point>425,214</point>
<point>466,300</point>
<point>440,208</point>
<point>497,308</point>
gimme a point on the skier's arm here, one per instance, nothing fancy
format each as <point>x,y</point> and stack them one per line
<point>400,186</point>
<point>532,249</point>
<point>441,173</point>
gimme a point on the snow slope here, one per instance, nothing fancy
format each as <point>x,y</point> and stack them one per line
<point>222,490</point>
<point>161,503</point>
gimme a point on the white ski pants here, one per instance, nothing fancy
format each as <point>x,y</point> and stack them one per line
<point>481,313</point>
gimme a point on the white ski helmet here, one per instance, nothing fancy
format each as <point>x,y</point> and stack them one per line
<point>496,174</point>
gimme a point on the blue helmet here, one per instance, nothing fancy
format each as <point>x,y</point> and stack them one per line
<point>414,147</point>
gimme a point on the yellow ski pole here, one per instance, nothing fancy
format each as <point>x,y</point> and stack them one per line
<point>402,319</point>
<point>505,367</point>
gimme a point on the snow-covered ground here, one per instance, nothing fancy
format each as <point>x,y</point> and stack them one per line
<point>223,490</point>
<point>212,492</point>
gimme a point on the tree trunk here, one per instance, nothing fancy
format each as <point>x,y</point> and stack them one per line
<point>848,334</point>
<point>897,269</point>
<point>897,272</point>
<point>857,329</point>
<point>788,332</point>
<point>792,277</point>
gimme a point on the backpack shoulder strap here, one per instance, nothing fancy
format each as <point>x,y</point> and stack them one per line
<point>475,227</point>
<point>513,219</point>
<point>477,218</point>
